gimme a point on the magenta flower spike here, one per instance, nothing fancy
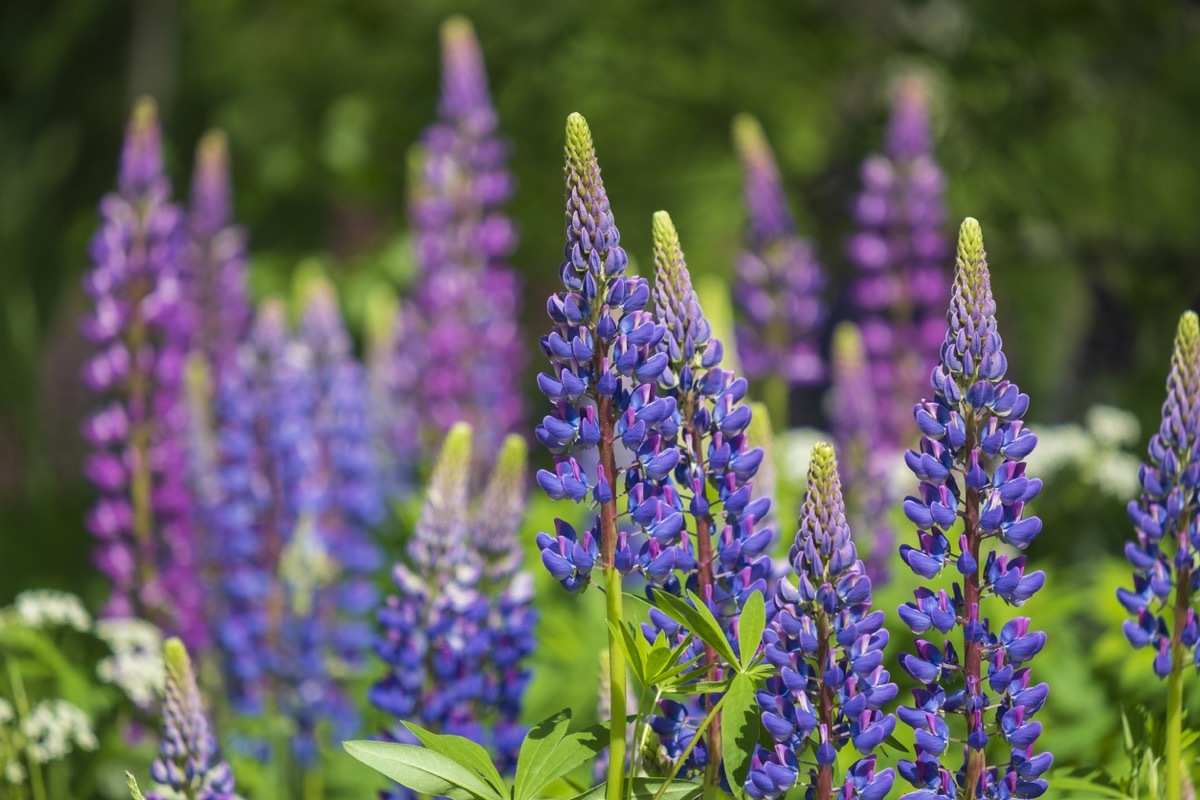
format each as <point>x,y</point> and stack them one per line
<point>457,344</point>
<point>140,327</point>
<point>898,251</point>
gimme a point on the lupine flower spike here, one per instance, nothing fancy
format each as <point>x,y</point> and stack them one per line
<point>970,466</point>
<point>713,477</point>
<point>605,364</point>
<point>458,343</point>
<point>855,421</point>
<point>140,326</point>
<point>828,649</point>
<point>779,282</point>
<point>899,250</point>
<point>459,629</point>
<point>1164,553</point>
<point>188,762</point>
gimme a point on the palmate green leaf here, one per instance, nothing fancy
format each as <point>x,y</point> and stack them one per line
<point>549,752</point>
<point>751,624</point>
<point>463,751</point>
<point>700,621</point>
<point>645,789</point>
<point>740,726</point>
<point>422,770</point>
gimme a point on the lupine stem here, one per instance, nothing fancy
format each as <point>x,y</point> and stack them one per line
<point>613,607</point>
<point>687,751</point>
<point>973,656</point>
<point>825,707</point>
<point>1174,743</point>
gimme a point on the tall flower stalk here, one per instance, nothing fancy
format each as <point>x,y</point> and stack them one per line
<point>1164,553</point>
<point>828,649</point>
<point>459,629</point>
<point>141,326</point>
<point>605,363</point>
<point>188,761</point>
<point>970,466</point>
<point>713,477</point>
<point>855,421</point>
<point>779,282</point>
<point>898,251</point>
<point>458,340</point>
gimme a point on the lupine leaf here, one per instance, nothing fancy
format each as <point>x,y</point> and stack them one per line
<point>463,751</point>
<point>700,621</point>
<point>548,753</point>
<point>740,727</point>
<point>134,792</point>
<point>750,628</point>
<point>422,770</point>
<point>645,788</point>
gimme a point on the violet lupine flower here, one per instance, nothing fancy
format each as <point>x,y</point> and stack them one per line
<point>898,251</point>
<point>459,629</point>
<point>970,467</point>
<point>1166,519</point>
<point>779,281</point>
<point>458,342</point>
<point>282,634</point>
<point>828,648</point>
<point>188,760</point>
<point>216,263</point>
<point>715,469</point>
<point>854,418</point>
<point>140,326</point>
<point>605,363</point>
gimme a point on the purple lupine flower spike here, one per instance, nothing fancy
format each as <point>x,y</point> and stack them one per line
<point>458,345</point>
<point>459,629</point>
<point>971,467</point>
<point>605,364</point>
<point>713,480</point>
<point>188,761</point>
<point>140,327</point>
<point>216,255</point>
<point>827,647</point>
<point>854,419</point>
<point>779,281</point>
<point>1165,517</point>
<point>898,252</point>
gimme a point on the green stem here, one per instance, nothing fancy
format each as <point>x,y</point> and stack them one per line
<point>314,785</point>
<point>687,751</point>
<point>775,398</point>
<point>1174,748</point>
<point>616,686</point>
<point>639,732</point>
<point>36,784</point>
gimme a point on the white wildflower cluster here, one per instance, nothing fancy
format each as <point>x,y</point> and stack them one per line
<point>136,665</point>
<point>1098,451</point>
<point>11,768</point>
<point>54,728</point>
<point>47,608</point>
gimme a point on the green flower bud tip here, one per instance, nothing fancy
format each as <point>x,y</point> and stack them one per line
<point>848,345</point>
<point>511,463</point>
<point>213,149</point>
<point>455,458</point>
<point>750,140</point>
<point>179,665</point>
<point>580,150</point>
<point>668,255</point>
<point>457,31</point>
<point>379,314</point>
<point>1187,340</point>
<point>145,114</point>
<point>822,470</point>
<point>971,258</point>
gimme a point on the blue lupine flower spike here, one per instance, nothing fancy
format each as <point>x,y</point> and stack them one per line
<point>970,466</point>
<point>827,647</point>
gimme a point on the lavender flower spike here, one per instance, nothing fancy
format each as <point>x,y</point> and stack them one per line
<point>970,465</point>
<point>713,476</point>
<point>459,346</point>
<point>187,762</point>
<point>1164,553</point>
<point>216,255</point>
<point>828,649</point>
<point>779,281</point>
<point>854,415</point>
<point>140,327</point>
<point>898,251</point>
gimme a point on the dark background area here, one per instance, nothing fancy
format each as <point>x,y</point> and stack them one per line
<point>1070,128</point>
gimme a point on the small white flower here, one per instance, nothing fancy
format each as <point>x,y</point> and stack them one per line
<point>136,665</point>
<point>14,772</point>
<point>7,714</point>
<point>1113,427</point>
<point>54,728</point>
<point>44,608</point>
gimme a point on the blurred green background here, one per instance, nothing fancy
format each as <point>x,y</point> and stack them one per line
<point>1070,128</point>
